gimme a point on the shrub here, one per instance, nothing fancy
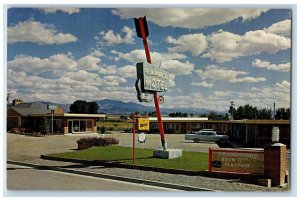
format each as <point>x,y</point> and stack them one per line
<point>19,130</point>
<point>45,126</point>
<point>98,141</point>
<point>102,129</point>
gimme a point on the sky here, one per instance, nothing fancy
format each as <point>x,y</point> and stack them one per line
<point>213,55</point>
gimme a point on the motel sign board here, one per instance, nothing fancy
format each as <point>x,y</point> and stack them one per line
<point>153,78</point>
<point>143,124</point>
<point>236,161</point>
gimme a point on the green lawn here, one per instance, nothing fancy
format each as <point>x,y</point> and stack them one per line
<point>195,161</point>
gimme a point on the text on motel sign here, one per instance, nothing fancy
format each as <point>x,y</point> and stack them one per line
<point>155,79</point>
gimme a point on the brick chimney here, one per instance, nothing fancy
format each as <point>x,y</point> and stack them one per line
<point>17,101</point>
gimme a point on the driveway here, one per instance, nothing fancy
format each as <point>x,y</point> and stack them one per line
<point>26,148</point>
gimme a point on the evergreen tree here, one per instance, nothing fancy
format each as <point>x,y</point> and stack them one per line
<point>44,126</point>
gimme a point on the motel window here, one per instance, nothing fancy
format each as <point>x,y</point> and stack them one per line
<point>196,126</point>
<point>169,125</point>
<point>154,125</point>
<point>82,125</point>
<point>56,124</point>
<point>89,125</point>
<point>224,129</point>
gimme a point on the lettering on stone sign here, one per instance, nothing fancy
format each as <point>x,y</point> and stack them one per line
<point>236,165</point>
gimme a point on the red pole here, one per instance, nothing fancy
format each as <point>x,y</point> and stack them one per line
<point>133,139</point>
<point>158,114</point>
<point>209,159</point>
<point>160,124</point>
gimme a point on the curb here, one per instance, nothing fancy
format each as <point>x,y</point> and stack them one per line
<point>112,177</point>
<point>248,178</point>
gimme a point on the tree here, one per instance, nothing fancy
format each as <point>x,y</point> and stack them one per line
<point>93,107</point>
<point>246,112</point>
<point>214,116</point>
<point>84,107</point>
<point>152,114</point>
<point>283,113</point>
<point>44,126</point>
<point>203,115</point>
<point>79,106</point>
<point>232,111</point>
<point>264,113</point>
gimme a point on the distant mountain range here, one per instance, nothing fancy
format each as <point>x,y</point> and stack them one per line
<point>108,106</point>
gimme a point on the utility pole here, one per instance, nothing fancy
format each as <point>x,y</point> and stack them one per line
<point>274,111</point>
<point>232,105</point>
<point>7,99</point>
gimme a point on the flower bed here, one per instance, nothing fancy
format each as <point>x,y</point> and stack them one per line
<point>88,142</point>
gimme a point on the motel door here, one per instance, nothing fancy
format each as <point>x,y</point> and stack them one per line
<point>73,126</point>
<point>189,128</point>
<point>177,128</point>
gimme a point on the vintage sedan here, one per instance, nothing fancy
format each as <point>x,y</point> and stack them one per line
<point>208,135</point>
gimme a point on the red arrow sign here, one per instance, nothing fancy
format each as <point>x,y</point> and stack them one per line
<point>142,32</point>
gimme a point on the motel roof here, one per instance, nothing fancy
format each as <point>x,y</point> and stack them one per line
<point>179,119</point>
<point>70,115</point>
<point>26,109</point>
<point>205,120</point>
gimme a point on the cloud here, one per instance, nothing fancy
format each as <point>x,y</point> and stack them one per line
<point>97,53</point>
<point>215,73</point>
<point>81,75</point>
<point>113,80</point>
<point>89,62</point>
<point>275,67</point>
<point>192,18</point>
<point>285,85</point>
<point>281,28</point>
<point>64,10</point>
<point>127,71</point>
<point>248,79</point>
<point>202,84</point>
<point>194,43</point>
<point>70,86</point>
<point>60,63</point>
<point>139,56</point>
<point>36,32</point>
<point>222,93</point>
<point>110,38</point>
<point>177,67</point>
<point>225,46</point>
<point>56,63</point>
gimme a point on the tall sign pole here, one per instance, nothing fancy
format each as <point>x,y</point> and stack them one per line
<point>133,139</point>
<point>142,32</point>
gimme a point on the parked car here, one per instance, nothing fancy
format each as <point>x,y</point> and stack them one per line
<point>208,135</point>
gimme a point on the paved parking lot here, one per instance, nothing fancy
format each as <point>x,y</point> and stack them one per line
<point>174,141</point>
<point>23,148</point>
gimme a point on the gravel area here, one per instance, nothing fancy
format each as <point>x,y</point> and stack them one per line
<point>28,149</point>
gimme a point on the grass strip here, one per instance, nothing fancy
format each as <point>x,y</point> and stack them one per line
<point>194,161</point>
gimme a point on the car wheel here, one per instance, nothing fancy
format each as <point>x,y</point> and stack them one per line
<point>196,140</point>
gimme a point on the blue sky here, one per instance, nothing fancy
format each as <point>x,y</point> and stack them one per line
<point>214,56</point>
